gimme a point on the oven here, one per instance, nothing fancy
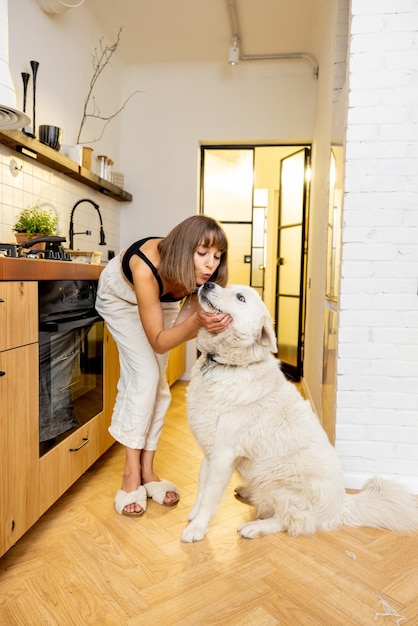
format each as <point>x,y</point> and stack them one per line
<point>70,358</point>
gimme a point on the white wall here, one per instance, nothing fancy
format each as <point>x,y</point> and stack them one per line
<point>185,105</point>
<point>63,45</point>
<point>377,368</point>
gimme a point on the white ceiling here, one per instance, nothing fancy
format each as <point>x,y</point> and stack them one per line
<point>161,31</point>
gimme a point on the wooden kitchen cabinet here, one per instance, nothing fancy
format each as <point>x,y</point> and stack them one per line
<point>19,433</point>
<point>176,364</point>
<point>64,464</point>
<point>67,461</point>
<point>30,484</point>
<point>18,314</point>
<point>111,377</point>
<point>19,457</point>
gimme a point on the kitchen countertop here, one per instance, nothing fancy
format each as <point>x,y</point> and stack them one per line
<point>39,269</point>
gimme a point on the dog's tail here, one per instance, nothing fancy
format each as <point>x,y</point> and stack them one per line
<point>381,504</point>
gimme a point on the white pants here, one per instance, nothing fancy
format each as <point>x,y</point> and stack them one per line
<point>143,393</point>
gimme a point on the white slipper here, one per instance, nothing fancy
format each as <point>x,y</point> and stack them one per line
<point>158,489</point>
<point>123,498</point>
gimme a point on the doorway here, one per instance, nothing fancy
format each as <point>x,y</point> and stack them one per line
<point>260,195</point>
<point>292,250</point>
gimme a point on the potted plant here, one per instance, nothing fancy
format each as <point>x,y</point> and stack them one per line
<point>35,222</point>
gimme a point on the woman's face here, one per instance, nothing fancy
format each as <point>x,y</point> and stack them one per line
<point>206,262</point>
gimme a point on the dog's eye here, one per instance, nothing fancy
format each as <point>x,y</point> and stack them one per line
<point>240,297</point>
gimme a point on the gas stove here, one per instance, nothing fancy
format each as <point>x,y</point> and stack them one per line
<point>8,249</point>
<point>52,252</point>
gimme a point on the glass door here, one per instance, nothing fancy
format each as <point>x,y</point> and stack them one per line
<point>227,194</point>
<point>260,196</point>
<point>291,261</point>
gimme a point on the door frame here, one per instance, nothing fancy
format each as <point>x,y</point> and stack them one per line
<point>272,233</point>
<point>295,372</point>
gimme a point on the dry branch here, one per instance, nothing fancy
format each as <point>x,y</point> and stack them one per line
<point>100,59</point>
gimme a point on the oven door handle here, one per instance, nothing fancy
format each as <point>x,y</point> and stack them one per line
<point>61,327</point>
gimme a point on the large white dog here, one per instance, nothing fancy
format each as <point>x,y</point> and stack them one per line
<point>246,416</point>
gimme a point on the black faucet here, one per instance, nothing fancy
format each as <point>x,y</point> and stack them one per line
<point>86,232</point>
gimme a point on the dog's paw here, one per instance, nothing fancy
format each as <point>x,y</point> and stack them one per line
<point>251,530</point>
<point>192,534</point>
<point>260,528</point>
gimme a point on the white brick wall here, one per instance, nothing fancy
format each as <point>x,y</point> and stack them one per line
<point>377,366</point>
<point>341,45</point>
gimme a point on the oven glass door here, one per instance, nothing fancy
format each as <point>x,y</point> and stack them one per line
<point>70,378</point>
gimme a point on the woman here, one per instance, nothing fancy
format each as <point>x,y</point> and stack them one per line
<point>138,297</point>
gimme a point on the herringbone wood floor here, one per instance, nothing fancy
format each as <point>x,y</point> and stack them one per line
<point>83,564</point>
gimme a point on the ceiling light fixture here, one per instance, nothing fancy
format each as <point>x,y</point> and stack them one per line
<point>235,55</point>
<point>233,58</point>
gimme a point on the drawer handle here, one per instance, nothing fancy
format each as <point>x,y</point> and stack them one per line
<point>1,300</point>
<point>85,441</point>
<point>2,373</point>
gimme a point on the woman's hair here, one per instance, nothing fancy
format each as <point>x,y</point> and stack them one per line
<point>178,248</point>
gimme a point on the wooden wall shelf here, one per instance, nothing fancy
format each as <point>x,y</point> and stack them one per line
<point>32,148</point>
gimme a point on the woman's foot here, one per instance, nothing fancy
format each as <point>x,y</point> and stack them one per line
<point>171,497</point>
<point>133,509</point>
<point>131,480</point>
<point>162,491</point>
<point>129,484</point>
<point>136,500</point>
<point>149,476</point>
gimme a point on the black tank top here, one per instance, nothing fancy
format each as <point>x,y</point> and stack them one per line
<point>135,249</point>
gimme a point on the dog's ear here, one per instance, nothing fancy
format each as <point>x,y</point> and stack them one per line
<point>268,336</point>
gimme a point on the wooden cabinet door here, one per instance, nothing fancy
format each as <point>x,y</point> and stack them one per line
<point>110,377</point>
<point>176,364</point>
<point>19,447</point>
<point>18,314</point>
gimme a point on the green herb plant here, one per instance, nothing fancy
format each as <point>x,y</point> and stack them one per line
<point>36,221</point>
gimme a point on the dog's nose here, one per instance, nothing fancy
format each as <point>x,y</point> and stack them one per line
<point>208,286</point>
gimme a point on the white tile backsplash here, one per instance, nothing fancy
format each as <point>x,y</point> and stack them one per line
<point>32,182</point>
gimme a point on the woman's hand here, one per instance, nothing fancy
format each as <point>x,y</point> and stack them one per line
<point>214,322</point>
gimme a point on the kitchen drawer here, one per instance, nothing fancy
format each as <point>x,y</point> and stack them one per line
<point>18,314</point>
<point>64,464</point>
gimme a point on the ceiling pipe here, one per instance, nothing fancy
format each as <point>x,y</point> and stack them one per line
<point>233,57</point>
<point>236,37</point>
<point>295,55</point>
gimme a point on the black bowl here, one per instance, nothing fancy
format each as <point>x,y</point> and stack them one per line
<point>50,136</point>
